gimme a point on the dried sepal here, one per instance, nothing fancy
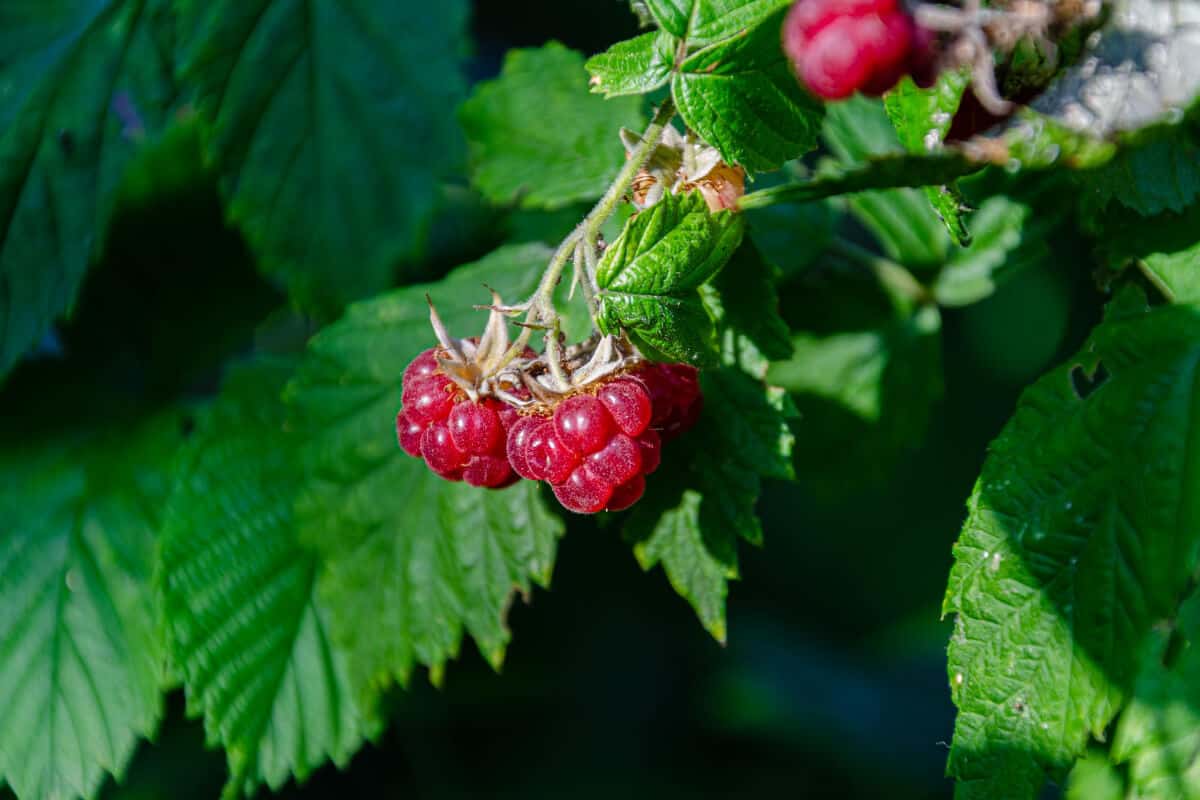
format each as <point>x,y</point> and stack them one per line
<point>682,164</point>
<point>479,366</point>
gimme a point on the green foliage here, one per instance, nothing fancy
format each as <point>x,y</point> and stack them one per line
<point>634,66</point>
<point>1158,735</point>
<point>422,558</point>
<point>256,656</point>
<point>1081,535</point>
<point>650,277</point>
<point>83,85</point>
<point>567,151</point>
<point>702,499</point>
<point>331,124</point>
<point>81,661</point>
<point>745,306</point>
<point>922,118</point>
<point>705,22</point>
<point>1165,248</point>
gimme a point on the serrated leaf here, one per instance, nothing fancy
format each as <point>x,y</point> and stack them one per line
<point>1158,173</point>
<point>246,631</point>
<point>412,561</point>
<point>81,662</point>
<point>650,275</point>
<point>701,501</point>
<point>857,131</point>
<point>866,397</point>
<point>537,136</point>
<point>1158,736</point>
<point>702,22</point>
<point>743,98</point>
<point>1008,239</point>
<point>1166,248</point>
<point>745,306</point>
<point>1081,534</point>
<point>922,117</point>
<point>1094,778</point>
<point>81,83</point>
<point>634,66</point>
<point>332,124</point>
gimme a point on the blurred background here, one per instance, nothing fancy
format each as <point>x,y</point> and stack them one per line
<point>833,679</point>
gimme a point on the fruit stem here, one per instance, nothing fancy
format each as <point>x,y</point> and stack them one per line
<point>895,279</point>
<point>586,234</point>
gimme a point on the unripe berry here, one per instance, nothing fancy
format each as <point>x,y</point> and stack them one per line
<point>582,423</point>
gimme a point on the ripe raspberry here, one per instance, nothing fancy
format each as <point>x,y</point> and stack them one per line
<point>627,494</point>
<point>409,434</point>
<point>582,423</point>
<point>429,399</point>
<point>628,403</point>
<point>583,491</point>
<point>547,458</point>
<point>489,471</point>
<point>650,451</point>
<point>675,398</point>
<point>518,440</point>
<point>476,427</point>
<point>440,452</point>
<point>618,461</point>
<point>842,46</point>
<point>422,366</point>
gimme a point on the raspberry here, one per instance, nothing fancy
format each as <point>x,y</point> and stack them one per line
<point>476,428</point>
<point>843,46</point>
<point>440,452</point>
<point>583,491</point>
<point>650,451</point>
<point>422,366</point>
<point>518,440</point>
<point>547,458</point>
<point>409,434</point>
<point>628,403</point>
<point>582,423</point>
<point>429,399</point>
<point>675,398</point>
<point>627,494</point>
<point>618,461</point>
<point>487,470</point>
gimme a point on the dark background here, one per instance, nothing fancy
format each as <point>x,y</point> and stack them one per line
<point>833,679</point>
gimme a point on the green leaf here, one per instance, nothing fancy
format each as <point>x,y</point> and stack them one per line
<point>1081,534</point>
<point>1161,172</point>
<point>1009,238</point>
<point>792,237</point>
<point>82,84</point>
<point>412,561</point>
<point>742,97</point>
<point>81,663</point>
<point>649,276</point>
<point>536,134</point>
<point>745,306</point>
<point>857,131</point>
<point>246,630</point>
<point>866,396</point>
<point>922,118</point>
<point>701,501</point>
<point>702,22</point>
<point>634,66</point>
<point>1158,736</point>
<point>332,124</point>
<point>1094,778</point>
<point>1164,247</point>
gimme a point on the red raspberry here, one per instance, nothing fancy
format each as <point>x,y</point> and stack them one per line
<point>518,440</point>
<point>650,451</point>
<point>476,427</point>
<point>628,403</point>
<point>429,399</point>
<point>488,470</point>
<point>618,461</point>
<point>440,452</point>
<point>583,491</point>
<point>674,391</point>
<point>547,458</point>
<point>583,423</point>
<point>409,434</point>
<point>627,494</point>
<point>422,366</point>
<point>843,46</point>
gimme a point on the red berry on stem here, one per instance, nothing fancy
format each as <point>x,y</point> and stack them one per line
<point>650,450</point>
<point>628,404</point>
<point>618,461</point>
<point>546,457</point>
<point>518,441</point>
<point>440,453</point>
<point>582,423</point>
<point>583,491</point>
<point>422,366</point>
<point>490,471</point>
<point>409,433</point>
<point>627,494</point>
<point>429,399</point>
<point>475,428</point>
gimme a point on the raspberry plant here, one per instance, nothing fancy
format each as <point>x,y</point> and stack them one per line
<point>725,255</point>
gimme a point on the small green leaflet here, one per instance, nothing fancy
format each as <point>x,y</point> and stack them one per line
<point>742,97</point>
<point>81,663</point>
<point>703,22</point>
<point>1158,735</point>
<point>82,84</point>
<point>246,631</point>
<point>702,499</point>
<point>922,118</point>
<point>634,66</point>
<point>1081,535</point>
<point>538,138</point>
<point>411,561</point>
<point>332,124</point>
<point>650,276</point>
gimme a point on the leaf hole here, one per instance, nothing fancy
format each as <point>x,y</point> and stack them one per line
<point>1084,384</point>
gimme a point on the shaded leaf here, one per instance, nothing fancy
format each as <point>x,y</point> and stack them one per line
<point>538,137</point>
<point>1166,248</point>
<point>745,306</point>
<point>1081,534</point>
<point>81,663</point>
<point>332,124</point>
<point>83,84</point>
<point>412,561</point>
<point>246,631</point>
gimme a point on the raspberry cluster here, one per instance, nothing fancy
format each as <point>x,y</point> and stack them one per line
<point>595,448</point>
<point>843,46</point>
